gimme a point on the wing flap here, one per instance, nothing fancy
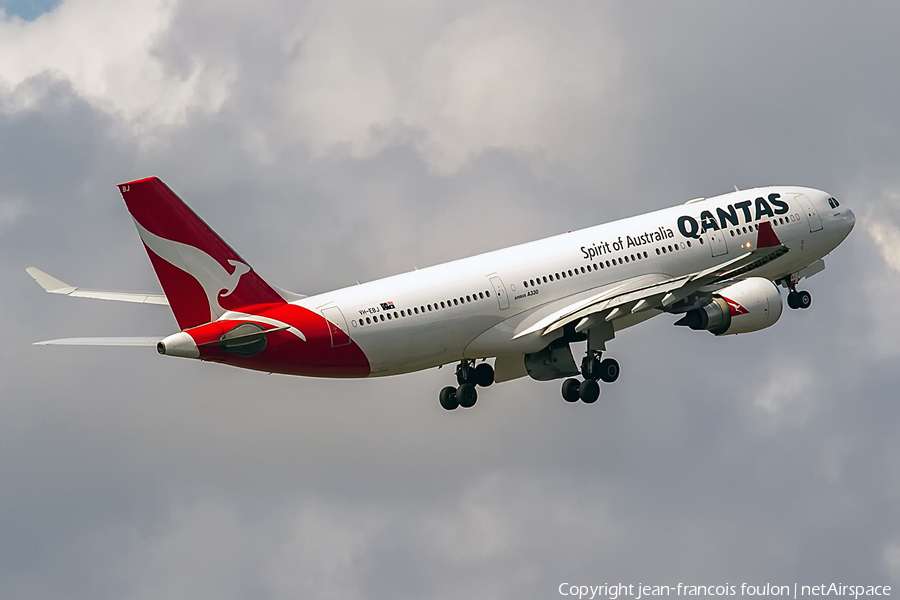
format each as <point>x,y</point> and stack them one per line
<point>53,285</point>
<point>595,303</point>
<point>658,291</point>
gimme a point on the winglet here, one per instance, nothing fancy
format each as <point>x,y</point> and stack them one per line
<point>49,283</point>
<point>767,237</point>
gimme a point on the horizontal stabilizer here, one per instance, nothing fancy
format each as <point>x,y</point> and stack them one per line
<point>103,341</point>
<point>55,286</point>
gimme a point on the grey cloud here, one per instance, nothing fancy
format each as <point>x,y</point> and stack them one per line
<point>125,474</point>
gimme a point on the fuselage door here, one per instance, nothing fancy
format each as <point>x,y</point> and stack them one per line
<point>337,326</point>
<point>815,223</point>
<point>500,290</point>
<point>717,243</point>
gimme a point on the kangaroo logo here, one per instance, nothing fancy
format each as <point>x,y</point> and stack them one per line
<point>209,273</point>
<point>736,309</point>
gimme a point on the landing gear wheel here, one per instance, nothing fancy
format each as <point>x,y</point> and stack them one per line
<point>799,299</point>
<point>609,370</point>
<point>484,375</point>
<point>589,391</point>
<point>448,398</point>
<point>466,395</point>
<point>570,390</point>
<point>793,301</point>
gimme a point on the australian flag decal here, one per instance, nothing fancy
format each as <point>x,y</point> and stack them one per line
<point>387,306</point>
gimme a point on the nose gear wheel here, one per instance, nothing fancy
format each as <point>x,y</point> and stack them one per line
<point>795,299</point>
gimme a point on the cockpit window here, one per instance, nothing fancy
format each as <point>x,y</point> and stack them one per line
<point>833,203</point>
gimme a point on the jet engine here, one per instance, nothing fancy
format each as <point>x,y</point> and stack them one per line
<point>749,305</point>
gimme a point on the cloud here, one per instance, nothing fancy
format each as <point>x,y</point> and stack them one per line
<point>106,51</point>
<point>891,558</point>
<point>499,76</point>
<point>334,141</point>
<point>784,399</point>
<point>210,548</point>
<point>328,550</point>
<point>10,211</point>
<point>887,237</point>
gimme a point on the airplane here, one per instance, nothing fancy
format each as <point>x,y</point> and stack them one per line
<point>715,263</point>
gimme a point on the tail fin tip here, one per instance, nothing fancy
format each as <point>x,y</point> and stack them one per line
<point>202,276</point>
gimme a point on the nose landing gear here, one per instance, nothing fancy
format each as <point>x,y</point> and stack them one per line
<point>467,376</point>
<point>797,299</point>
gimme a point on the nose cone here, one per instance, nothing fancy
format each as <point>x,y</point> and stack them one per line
<point>847,221</point>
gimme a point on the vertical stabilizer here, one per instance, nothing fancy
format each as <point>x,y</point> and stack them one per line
<point>200,274</point>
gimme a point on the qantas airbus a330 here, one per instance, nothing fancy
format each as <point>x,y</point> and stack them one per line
<point>716,263</point>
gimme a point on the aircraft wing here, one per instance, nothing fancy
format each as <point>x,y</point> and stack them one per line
<point>55,286</point>
<point>658,291</point>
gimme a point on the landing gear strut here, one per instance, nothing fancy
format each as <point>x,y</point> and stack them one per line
<point>467,372</point>
<point>467,376</point>
<point>797,299</point>
<point>592,367</point>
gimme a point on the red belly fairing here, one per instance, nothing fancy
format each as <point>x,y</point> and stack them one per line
<point>285,352</point>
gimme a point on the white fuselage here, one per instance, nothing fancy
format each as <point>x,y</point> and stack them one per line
<point>474,307</point>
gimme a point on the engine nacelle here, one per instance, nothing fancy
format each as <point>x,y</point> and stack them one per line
<point>749,305</point>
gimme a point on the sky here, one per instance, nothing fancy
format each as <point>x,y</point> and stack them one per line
<point>331,142</point>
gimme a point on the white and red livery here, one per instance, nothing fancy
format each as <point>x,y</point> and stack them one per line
<point>714,262</point>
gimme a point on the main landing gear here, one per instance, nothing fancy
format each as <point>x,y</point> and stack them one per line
<point>797,299</point>
<point>467,376</point>
<point>592,368</point>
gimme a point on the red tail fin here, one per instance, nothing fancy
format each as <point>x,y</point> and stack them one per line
<point>200,274</point>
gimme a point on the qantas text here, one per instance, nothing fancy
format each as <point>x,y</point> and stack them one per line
<point>730,215</point>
